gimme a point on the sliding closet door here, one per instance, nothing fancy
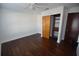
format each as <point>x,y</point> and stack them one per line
<point>45,26</point>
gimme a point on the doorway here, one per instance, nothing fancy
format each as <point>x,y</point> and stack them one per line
<point>72,27</point>
<point>54,26</point>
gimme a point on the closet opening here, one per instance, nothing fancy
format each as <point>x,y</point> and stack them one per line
<point>54,26</point>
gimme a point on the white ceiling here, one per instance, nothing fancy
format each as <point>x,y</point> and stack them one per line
<point>35,6</point>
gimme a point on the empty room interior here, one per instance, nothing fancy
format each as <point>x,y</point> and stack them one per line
<point>39,29</point>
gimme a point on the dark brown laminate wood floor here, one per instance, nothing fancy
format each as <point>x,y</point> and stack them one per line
<point>34,45</point>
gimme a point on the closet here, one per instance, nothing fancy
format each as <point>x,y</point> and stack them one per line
<point>50,26</point>
<point>54,30</point>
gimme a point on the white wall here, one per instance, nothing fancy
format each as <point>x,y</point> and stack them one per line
<point>0,30</point>
<point>78,47</point>
<point>73,10</point>
<point>15,25</point>
<point>39,23</point>
<point>64,20</point>
<point>53,11</point>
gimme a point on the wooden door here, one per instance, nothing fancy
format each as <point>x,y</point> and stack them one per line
<point>72,27</point>
<point>45,26</point>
